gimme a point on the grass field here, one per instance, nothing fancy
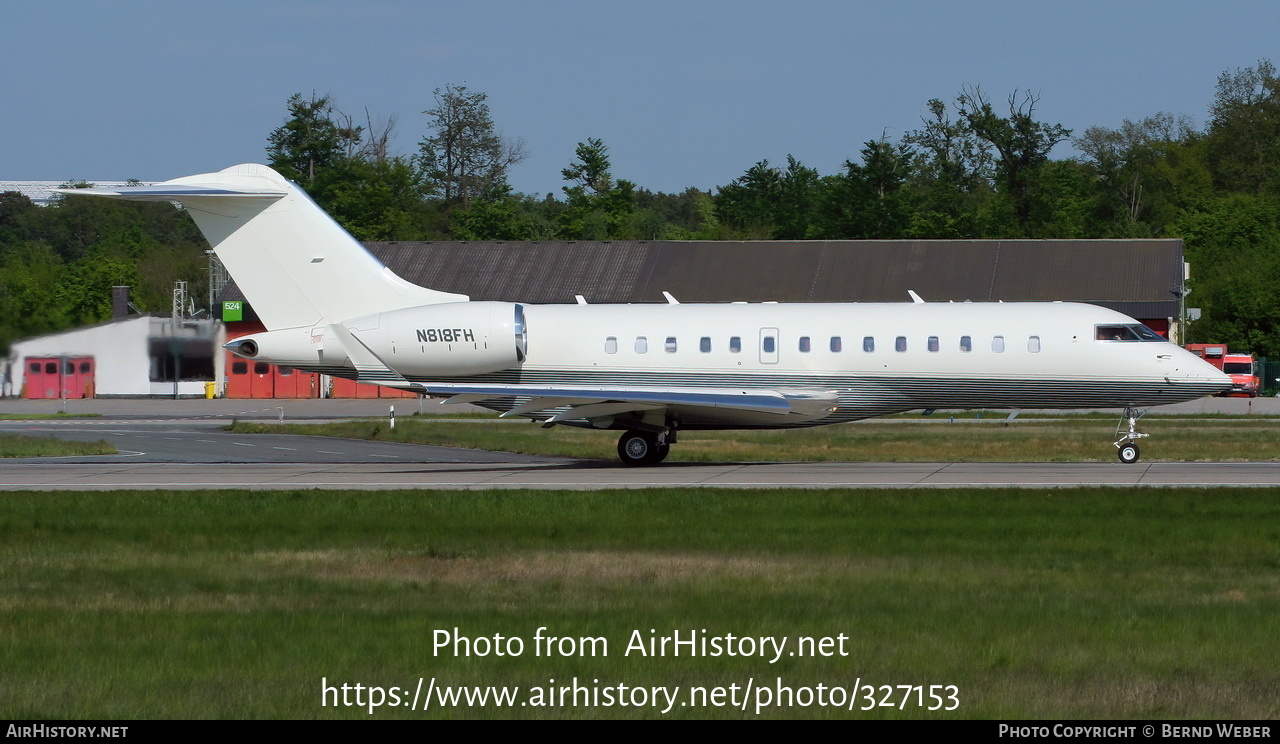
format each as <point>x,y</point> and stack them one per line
<point>1088,603</point>
<point>17,445</point>
<point>1069,439</point>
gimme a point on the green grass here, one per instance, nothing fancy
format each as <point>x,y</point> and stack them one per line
<point>1088,603</point>
<point>15,445</point>
<point>891,440</point>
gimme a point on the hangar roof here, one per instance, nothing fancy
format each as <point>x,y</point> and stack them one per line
<point>1136,277</point>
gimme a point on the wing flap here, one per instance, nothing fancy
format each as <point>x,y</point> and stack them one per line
<point>765,401</point>
<point>590,402</point>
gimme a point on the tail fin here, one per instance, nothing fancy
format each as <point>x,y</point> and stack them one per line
<point>295,265</point>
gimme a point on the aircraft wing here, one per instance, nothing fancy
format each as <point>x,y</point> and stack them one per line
<point>567,403</point>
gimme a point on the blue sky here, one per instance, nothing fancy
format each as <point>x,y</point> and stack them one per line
<point>684,94</point>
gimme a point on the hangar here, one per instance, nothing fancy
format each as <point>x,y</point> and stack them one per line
<point>1144,279</point>
<point>140,356</point>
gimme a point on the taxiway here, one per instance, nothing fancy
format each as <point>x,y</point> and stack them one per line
<point>181,445</point>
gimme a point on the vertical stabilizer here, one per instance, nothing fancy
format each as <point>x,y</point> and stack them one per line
<point>295,265</point>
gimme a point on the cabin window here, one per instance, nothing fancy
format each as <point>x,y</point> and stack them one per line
<point>704,344</point>
<point>836,346</point>
<point>804,344</point>
<point>1033,344</point>
<point>670,345</point>
<point>933,343</point>
<point>611,345</point>
<point>769,345</point>
<point>735,344</point>
<point>900,343</point>
<point>997,344</point>
<point>642,345</point>
<point>966,343</point>
<point>868,343</point>
<point>239,368</point>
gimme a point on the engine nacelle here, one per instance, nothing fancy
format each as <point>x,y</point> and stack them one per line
<point>292,347</point>
<point>452,339</point>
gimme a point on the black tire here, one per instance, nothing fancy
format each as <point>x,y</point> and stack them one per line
<point>641,448</point>
<point>1129,453</point>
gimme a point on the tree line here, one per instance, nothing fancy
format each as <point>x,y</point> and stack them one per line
<point>977,166</point>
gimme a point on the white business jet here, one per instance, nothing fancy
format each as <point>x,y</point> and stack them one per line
<point>653,370</point>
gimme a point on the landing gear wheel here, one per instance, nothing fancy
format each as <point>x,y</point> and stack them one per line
<point>641,448</point>
<point>1127,442</point>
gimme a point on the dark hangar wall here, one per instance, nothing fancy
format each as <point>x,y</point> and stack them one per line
<point>1134,276</point>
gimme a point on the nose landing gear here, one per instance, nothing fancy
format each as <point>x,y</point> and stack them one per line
<point>1127,441</point>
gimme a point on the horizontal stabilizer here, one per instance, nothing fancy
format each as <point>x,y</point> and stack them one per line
<point>175,192</point>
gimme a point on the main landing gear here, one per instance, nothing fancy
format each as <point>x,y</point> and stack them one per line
<point>640,448</point>
<point>1127,442</point>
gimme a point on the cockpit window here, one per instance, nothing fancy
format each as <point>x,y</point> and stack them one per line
<point>1145,333</point>
<point>1126,332</point>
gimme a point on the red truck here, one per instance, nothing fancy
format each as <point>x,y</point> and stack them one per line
<point>1241,366</point>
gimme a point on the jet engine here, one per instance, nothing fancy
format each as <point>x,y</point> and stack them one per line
<point>451,339</point>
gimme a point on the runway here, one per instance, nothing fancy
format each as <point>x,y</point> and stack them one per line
<point>193,452</point>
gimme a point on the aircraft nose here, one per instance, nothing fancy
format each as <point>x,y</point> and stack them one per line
<point>1203,375</point>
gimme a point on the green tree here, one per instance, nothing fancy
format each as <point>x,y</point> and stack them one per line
<point>378,198</point>
<point>951,177</point>
<point>1131,170</point>
<point>309,141</point>
<point>15,210</point>
<point>1244,130</point>
<point>83,292</point>
<point>1233,245</point>
<point>598,207</point>
<point>767,202</point>
<point>1022,145</point>
<point>868,201</point>
<point>749,203</point>
<point>465,158</point>
<point>29,274</point>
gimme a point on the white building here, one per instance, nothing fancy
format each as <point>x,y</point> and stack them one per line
<point>134,357</point>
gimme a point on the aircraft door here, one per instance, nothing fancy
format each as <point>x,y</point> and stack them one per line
<point>768,345</point>
<point>262,380</point>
